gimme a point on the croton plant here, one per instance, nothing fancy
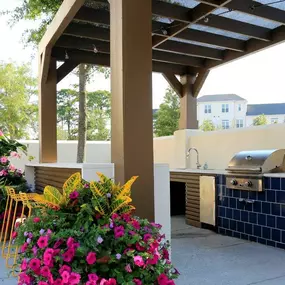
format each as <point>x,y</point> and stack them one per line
<point>87,234</point>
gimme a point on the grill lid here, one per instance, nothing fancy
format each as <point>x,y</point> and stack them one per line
<point>258,161</point>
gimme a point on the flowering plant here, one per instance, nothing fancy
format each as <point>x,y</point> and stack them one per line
<point>91,247</point>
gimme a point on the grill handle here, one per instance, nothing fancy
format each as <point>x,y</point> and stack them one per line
<point>243,170</point>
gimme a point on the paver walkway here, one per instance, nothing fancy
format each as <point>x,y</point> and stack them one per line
<point>206,258</point>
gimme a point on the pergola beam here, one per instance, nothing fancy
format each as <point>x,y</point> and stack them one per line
<point>253,45</point>
<point>103,59</point>
<point>174,83</point>
<point>65,69</point>
<point>104,47</point>
<point>199,82</point>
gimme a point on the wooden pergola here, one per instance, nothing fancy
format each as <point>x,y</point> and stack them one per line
<point>136,37</point>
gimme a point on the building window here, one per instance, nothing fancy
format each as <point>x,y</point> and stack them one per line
<point>208,109</point>
<point>274,120</point>
<point>239,107</point>
<point>225,108</point>
<point>239,123</point>
<point>225,124</point>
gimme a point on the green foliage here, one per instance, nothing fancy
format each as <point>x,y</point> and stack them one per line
<point>16,88</point>
<point>260,120</point>
<point>207,126</point>
<point>167,117</point>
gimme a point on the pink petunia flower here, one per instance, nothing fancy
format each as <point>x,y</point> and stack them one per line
<point>64,268</point>
<point>93,277</point>
<point>58,243</point>
<point>91,258</point>
<point>24,265</point>
<point>14,154</point>
<point>70,241</point>
<point>14,235</point>
<point>68,255</point>
<point>37,220</point>
<point>35,250</point>
<point>147,237</point>
<point>34,264</point>
<point>138,260</point>
<point>136,224</point>
<point>73,195</point>
<point>58,282</point>
<point>12,167</point>
<point>65,276</point>
<point>43,283</point>
<point>45,271</point>
<point>153,260</point>
<point>3,159</point>
<point>3,173</point>
<point>137,281</point>
<point>128,268</point>
<point>91,283</point>
<point>119,231</point>
<point>25,278</point>
<point>24,247</point>
<point>162,279</point>
<point>74,278</point>
<point>42,242</point>
<point>1,134</point>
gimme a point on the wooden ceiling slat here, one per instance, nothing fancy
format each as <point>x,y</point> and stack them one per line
<point>253,45</point>
<point>72,42</point>
<point>80,56</point>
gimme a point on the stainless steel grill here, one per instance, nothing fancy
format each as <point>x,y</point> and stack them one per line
<point>246,169</point>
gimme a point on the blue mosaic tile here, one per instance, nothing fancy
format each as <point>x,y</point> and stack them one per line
<point>229,233</point>
<point>221,231</point>
<point>252,218</point>
<point>280,245</point>
<point>266,233</point>
<point>233,225</point>
<point>266,208</point>
<point>244,236</point>
<point>275,209</point>
<point>236,215</point>
<point>257,230</point>
<point>244,216</point>
<point>225,201</point>
<point>261,240</point>
<point>229,213</point>
<point>249,207</point>
<point>240,227</point>
<point>266,183</point>
<point>281,223</point>
<point>253,238</point>
<point>271,243</point>
<point>275,183</point>
<point>270,196</point>
<point>262,219</point>
<point>252,195</point>
<point>233,203</point>
<point>248,229</point>
<point>283,210</point>
<point>226,223</point>
<point>257,207</point>
<point>244,194</point>
<point>240,205</point>
<point>236,234</point>
<point>220,222</point>
<point>236,193</point>
<point>280,196</point>
<point>271,221</point>
<point>261,196</point>
<point>283,184</point>
<point>222,211</point>
<point>283,236</point>
<point>276,234</point>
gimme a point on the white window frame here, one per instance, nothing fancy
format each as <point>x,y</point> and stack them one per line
<point>207,109</point>
<point>239,123</point>
<point>225,124</point>
<point>225,108</point>
<point>239,107</point>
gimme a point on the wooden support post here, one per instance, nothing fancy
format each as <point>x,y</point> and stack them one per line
<point>132,137</point>
<point>47,113</point>
<point>188,104</point>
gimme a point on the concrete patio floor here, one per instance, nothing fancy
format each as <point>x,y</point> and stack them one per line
<point>206,258</point>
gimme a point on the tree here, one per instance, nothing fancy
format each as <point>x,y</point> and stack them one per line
<point>260,120</point>
<point>42,12</point>
<point>99,115</point>
<point>16,88</point>
<point>67,113</point>
<point>207,126</point>
<point>167,117</point>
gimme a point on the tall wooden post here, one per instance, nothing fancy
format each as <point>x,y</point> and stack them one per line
<point>131,82</point>
<point>47,112</point>
<point>188,104</point>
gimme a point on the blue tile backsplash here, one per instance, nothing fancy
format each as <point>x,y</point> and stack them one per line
<point>262,221</point>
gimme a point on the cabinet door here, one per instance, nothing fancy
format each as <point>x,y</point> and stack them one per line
<point>207,200</point>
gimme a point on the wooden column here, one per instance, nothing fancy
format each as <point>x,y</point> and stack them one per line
<point>188,104</point>
<point>47,112</point>
<point>131,82</point>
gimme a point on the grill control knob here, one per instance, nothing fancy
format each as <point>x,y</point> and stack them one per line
<point>234,182</point>
<point>248,184</point>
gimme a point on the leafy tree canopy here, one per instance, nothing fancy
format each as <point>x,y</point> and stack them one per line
<point>207,126</point>
<point>260,120</point>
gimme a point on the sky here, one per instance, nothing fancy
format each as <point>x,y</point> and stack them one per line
<point>258,78</point>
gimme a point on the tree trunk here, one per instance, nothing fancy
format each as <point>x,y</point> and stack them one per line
<point>82,122</point>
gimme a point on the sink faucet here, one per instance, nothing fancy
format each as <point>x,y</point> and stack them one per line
<point>188,154</point>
